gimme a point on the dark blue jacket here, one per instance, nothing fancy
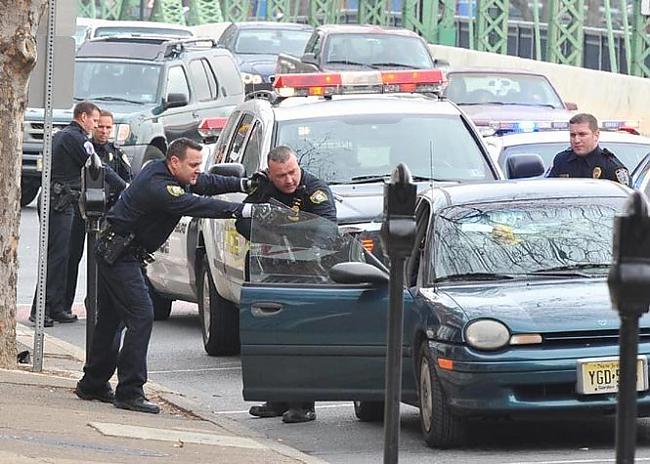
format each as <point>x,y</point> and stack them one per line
<point>116,159</point>
<point>599,164</point>
<point>154,203</point>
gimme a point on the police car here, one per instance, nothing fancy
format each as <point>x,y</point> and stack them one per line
<point>349,129</point>
<point>546,139</point>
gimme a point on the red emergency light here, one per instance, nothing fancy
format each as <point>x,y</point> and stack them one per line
<point>212,127</point>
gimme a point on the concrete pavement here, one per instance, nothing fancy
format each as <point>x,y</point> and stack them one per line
<point>41,420</point>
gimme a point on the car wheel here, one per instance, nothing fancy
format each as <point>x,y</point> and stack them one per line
<point>28,190</point>
<point>162,307</point>
<point>369,411</point>
<point>440,427</point>
<point>219,317</point>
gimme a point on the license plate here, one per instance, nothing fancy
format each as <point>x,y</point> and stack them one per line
<point>600,375</point>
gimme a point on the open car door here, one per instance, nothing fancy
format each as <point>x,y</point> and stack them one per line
<point>303,336</point>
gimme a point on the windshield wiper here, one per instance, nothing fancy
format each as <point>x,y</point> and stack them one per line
<point>117,99</point>
<point>480,103</point>
<point>369,179</point>
<point>399,65</point>
<point>571,269</point>
<point>352,63</point>
<point>475,276</point>
<point>545,105</point>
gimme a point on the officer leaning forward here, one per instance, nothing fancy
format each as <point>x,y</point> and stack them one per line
<point>286,182</point>
<point>110,154</point>
<point>585,158</point>
<point>142,219</point>
<point>70,149</point>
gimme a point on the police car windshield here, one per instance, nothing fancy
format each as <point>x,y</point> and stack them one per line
<point>630,154</point>
<point>343,148</point>
<point>121,81</point>
<point>532,237</point>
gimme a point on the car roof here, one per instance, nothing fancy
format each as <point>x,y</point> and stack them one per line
<point>523,190</point>
<point>272,25</point>
<point>142,48</point>
<point>560,136</point>
<point>143,24</point>
<point>486,70</point>
<point>364,29</point>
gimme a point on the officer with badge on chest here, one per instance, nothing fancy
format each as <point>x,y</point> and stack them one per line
<point>110,154</point>
<point>286,182</point>
<point>585,158</point>
<point>143,217</point>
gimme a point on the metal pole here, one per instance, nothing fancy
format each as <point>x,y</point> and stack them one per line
<point>92,227</point>
<point>611,45</point>
<point>39,334</point>
<point>538,37</point>
<point>394,361</point>
<point>627,409</point>
<point>142,10</point>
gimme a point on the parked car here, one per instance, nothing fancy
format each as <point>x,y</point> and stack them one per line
<point>158,89</point>
<point>507,311</point>
<point>88,28</point>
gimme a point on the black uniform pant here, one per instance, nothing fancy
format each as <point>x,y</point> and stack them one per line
<point>123,303</point>
<point>65,246</point>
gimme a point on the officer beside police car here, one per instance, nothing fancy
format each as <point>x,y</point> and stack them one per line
<point>585,158</point>
<point>141,220</point>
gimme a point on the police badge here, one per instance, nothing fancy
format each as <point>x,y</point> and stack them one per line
<point>597,172</point>
<point>622,176</point>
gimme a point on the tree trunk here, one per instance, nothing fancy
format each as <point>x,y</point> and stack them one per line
<point>18,24</point>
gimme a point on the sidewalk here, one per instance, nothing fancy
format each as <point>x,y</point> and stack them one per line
<point>42,421</point>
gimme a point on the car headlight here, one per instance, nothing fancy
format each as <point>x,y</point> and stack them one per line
<point>487,334</point>
<point>120,133</point>
<point>251,78</point>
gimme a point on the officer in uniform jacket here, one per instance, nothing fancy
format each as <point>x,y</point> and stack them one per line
<point>70,149</point>
<point>286,182</point>
<point>142,219</point>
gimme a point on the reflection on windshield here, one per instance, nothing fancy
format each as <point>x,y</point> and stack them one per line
<point>378,50</point>
<point>346,147</point>
<point>126,81</point>
<point>271,41</point>
<point>290,246</point>
<point>517,89</point>
<point>524,237</point>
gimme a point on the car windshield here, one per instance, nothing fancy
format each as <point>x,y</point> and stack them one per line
<point>630,154</point>
<point>271,41</point>
<point>507,88</point>
<point>525,237</point>
<point>113,31</point>
<point>359,148</point>
<point>377,51</point>
<point>117,81</point>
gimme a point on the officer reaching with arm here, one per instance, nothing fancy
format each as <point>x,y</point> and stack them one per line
<point>585,158</point>
<point>142,219</point>
<point>286,182</point>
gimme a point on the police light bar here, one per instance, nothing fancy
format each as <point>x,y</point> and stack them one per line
<point>619,125</point>
<point>212,127</point>
<point>489,128</point>
<point>360,82</point>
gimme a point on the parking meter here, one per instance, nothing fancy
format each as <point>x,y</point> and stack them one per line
<point>92,204</point>
<point>629,289</point>
<point>397,237</point>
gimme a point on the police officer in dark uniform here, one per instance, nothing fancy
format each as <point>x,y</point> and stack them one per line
<point>142,219</point>
<point>110,154</point>
<point>585,158</point>
<point>70,149</point>
<point>286,182</point>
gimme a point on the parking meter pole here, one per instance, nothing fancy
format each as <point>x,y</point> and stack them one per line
<point>629,289</point>
<point>626,410</point>
<point>397,235</point>
<point>92,228</point>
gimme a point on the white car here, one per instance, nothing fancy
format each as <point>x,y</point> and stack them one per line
<point>629,148</point>
<point>88,28</point>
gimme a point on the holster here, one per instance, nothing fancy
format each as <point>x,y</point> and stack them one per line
<point>62,196</point>
<point>111,245</point>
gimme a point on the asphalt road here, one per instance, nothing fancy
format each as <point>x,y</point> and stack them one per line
<point>177,361</point>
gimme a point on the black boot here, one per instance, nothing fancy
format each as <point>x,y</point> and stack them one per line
<point>295,415</point>
<point>268,409</point>
<point>140,404</point>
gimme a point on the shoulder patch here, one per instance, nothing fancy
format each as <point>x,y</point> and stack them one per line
<point>622,176</point>
<point>175,190</point>
<point>318,197</point>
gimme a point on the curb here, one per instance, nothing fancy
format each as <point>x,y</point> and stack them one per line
<point>64,348</point>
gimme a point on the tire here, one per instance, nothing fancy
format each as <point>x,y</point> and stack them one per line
<point>440,427</point>
<point>369,411</point>
<point>219,317</point>
<point>162,307</point>
<point>29,188</point>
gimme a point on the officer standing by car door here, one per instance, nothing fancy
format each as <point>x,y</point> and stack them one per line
<point>142,219</point>
<point>286,182</point>
<point>585,158</point>
<point>70,149</point>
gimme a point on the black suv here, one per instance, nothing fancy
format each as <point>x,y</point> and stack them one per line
<point>158,89</point>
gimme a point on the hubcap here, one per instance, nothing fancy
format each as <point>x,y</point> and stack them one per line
<point>426,405</point>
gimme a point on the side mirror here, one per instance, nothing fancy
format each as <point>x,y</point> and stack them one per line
<point>571,106</point>
<point>228,169</point>
<point>309,58</point>
<point>357,273</point>
<point>176,100</point>
<point>524,165</point>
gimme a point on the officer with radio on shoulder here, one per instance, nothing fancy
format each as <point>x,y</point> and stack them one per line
<point>299,190</point>
<point>143,217</point>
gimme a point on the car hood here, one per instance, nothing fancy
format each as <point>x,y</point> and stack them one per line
<point>515,113</point>
<point>264,65</point>
<point>122,112</point>
<point>551,305</point>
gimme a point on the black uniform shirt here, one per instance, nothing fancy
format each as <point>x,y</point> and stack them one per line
<point>154,203</point>
<point>599,164</point>
<point>116,159</point>
<point>312,196</point>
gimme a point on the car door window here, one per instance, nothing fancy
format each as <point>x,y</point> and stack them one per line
<point>252,152</point>
<point>239,137</point>
<point>177,81</point>
<point>203,80</point>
